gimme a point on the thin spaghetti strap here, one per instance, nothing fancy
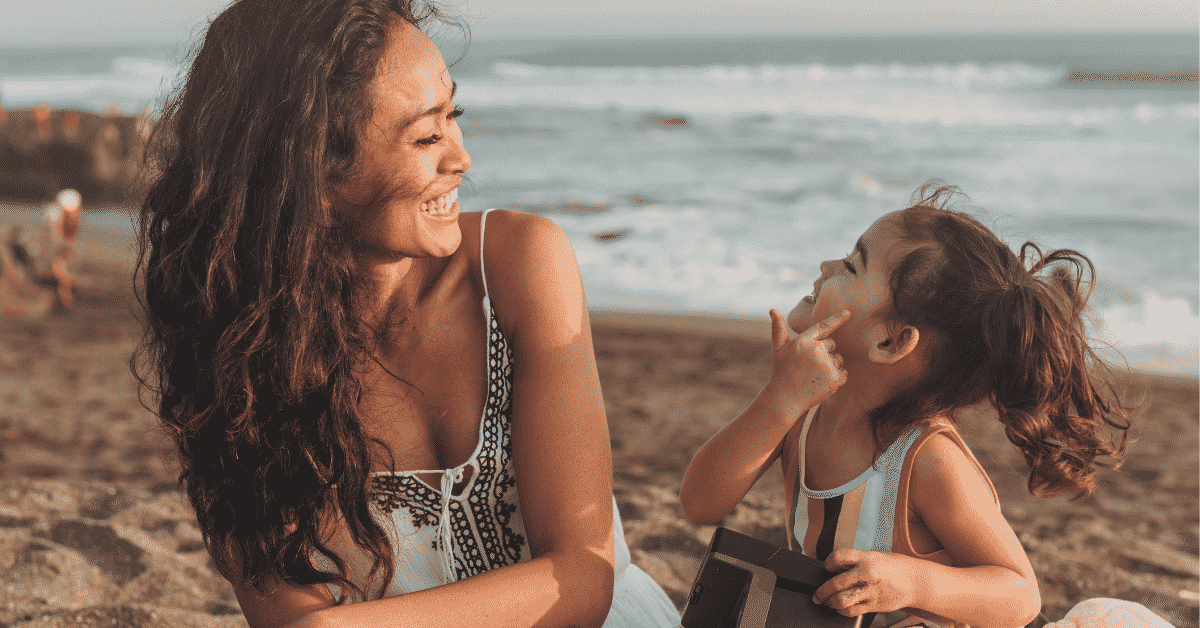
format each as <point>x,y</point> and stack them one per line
<point>482,272</point>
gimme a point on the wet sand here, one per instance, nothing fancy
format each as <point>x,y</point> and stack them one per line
<point>94,531</point>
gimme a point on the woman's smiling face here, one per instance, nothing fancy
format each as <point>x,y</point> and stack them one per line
<point>402,198</point>
<point>858,282</point>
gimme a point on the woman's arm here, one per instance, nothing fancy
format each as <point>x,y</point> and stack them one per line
<point>525,594</point>
<point>992,582</point>
<point>561,447</point>
<point>561,457</point>
<point>804,371</point>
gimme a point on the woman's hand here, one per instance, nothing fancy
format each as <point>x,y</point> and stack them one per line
<point>869,582</point>
<point>806,367</point>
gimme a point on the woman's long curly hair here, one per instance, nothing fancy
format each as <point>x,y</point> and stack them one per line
<point>253,319</point>
<point>1009,329</point>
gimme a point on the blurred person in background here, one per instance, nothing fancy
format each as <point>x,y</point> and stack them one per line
<point>59,235</point>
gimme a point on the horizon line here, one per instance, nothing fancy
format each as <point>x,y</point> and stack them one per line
<point>823,35</point>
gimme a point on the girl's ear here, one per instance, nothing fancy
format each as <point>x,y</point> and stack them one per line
<point>896,343</point>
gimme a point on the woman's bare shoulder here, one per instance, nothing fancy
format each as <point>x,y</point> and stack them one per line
<point>522,248</point>
<point>506,234</point>
<point>531,272</point>
<point>515,231</point>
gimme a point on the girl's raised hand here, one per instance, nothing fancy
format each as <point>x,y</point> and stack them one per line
<point>869,582</point>
<point>806,366</point>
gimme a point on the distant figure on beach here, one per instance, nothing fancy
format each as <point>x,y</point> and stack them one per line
<point>930,314</point>
<point>71,126</point>
<point>21,294</point>
<point>375,398</point>
<point>35,281</point>
<point>107,153</point>
<point>19,251</point>
<point>59,235</point>
<point>41,121</point>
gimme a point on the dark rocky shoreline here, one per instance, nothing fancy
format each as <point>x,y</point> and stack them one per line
<point>44,150</point>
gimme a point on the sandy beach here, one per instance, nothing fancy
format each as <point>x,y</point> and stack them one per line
<point>94,531</point>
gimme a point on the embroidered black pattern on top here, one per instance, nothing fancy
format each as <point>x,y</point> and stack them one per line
<point>482,526</point>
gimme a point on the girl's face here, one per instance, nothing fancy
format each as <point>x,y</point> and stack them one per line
<point>403,196</point>
<point>857,282</point>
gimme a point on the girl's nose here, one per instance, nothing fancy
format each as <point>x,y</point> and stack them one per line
<point>828,266</point>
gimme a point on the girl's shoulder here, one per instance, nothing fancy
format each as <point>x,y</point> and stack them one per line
<point>939,464</point>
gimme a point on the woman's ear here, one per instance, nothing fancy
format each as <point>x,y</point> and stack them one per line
<point>896,342</point>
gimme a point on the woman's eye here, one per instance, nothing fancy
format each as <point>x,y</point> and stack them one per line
<point>435,138</point>
<point>849,266</point>
<point>430,141</point>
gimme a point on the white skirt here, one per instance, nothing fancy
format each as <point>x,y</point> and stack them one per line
<point>638,601</point>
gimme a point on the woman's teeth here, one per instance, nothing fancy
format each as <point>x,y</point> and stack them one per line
<point>441,205</point>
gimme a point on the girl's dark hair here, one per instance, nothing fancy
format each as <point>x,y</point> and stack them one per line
<point>253,323</point>
<point>1008,329</point>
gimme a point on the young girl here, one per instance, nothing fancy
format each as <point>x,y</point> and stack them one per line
<point>929,314</point>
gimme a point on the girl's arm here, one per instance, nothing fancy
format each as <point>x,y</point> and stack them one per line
<point>992,582</point>
<point>804,371</point>
<point>561,457</point>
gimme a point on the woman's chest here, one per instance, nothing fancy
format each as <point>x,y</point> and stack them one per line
<point>424,397</point>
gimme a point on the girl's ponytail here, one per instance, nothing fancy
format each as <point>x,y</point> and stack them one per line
<point>1006,328</point>
<point>1048,386</point>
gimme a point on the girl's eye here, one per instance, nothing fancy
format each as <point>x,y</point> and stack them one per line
<point>849,266</point>
<point>458,111</point>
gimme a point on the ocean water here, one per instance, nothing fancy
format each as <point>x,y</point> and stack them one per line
<point>712,176</point>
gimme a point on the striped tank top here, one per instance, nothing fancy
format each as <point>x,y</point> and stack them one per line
<point>869,512</point>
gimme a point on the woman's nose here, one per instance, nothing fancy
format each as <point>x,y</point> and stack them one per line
<point>456,160</point>
<point>827,267</point>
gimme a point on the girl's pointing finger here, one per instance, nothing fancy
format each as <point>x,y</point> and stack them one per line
<point>829,324</point>
<point>779,328</point>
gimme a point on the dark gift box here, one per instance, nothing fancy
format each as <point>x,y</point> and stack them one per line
<point>748,583</point>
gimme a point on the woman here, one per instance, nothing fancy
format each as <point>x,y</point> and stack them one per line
<point>316,344</point>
